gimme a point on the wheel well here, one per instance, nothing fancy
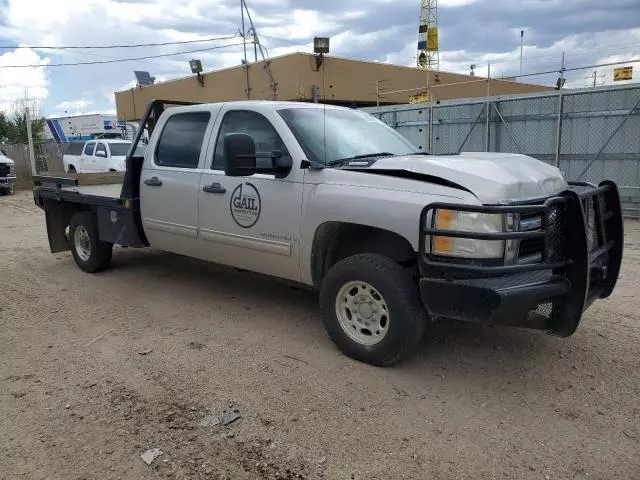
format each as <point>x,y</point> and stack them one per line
<point>335,241</point>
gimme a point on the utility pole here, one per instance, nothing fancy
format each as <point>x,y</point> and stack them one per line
<point>32,155</point>
<point>560,82</point>
<point>244,46</point>
<point>244,33</point>
<point>521,48</point>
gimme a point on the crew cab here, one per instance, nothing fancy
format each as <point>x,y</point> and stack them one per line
<point>7,173</point>
<point>107,155</point>
<point>333,198</point>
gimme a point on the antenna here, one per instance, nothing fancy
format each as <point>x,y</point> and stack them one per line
<point>320,47</point>
<point>256,40</point>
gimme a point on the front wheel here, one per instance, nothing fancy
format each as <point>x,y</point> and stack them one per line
<point>90,253</point>
<point>372,309</point>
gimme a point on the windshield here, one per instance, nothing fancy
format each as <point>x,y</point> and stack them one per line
<point>330,135</point>
<point>121,150</point>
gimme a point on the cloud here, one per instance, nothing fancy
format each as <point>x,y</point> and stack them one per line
<point>16,83</point>
<point>73,104</point>
<point>471,32</point>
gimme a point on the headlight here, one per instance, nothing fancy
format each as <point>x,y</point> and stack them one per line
<point>12,170</point>
<point>468,222</point>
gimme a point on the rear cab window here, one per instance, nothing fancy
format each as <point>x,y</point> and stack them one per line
<point>181,140</point>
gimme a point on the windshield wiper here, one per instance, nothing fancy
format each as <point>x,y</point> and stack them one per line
<point>333,163</point>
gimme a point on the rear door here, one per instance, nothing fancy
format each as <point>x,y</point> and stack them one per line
<point>170,180</point>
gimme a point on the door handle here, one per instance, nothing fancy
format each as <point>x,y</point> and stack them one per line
<point>153,182</point>
<point>214,188</point>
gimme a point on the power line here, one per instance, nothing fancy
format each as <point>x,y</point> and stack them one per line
<point>529,59</point>
<point>157,44</point>
<point>96,62</point>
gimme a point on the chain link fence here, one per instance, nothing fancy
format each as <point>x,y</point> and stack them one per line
<point>590,134</point>
<point>48,159</point>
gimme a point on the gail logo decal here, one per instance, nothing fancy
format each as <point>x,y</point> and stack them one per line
<point>245,205</point>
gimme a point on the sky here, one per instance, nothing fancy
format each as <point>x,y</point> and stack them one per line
<point>475,32</point>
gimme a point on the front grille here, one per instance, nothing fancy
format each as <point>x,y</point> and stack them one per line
<point>4,170</point>
<point>589,207</point>
<point>531,249</point>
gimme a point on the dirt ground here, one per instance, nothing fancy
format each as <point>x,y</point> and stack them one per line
<point>95,370</point>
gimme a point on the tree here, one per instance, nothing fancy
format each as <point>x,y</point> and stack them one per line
<point>17,128</point>
<point>4,128</point>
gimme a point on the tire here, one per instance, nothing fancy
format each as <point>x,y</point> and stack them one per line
<point>91,254</point>
<point>72,169</point>
<point>11,190</point>
<point>386,289</point>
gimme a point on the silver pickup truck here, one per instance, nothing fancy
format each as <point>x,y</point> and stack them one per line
<point>7,173</point>
<point>334,199</point>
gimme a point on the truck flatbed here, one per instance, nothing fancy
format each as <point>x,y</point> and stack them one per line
<point>111,190</point>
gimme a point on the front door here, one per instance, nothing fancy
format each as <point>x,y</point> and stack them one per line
<point>251,222</point>
<point>86,159</point>
<point>100,158</point>
<point>170,182</point>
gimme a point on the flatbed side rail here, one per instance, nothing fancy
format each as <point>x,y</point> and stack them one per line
<point>57,182</point>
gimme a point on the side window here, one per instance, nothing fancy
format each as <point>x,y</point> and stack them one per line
<point>88,149</point>
<point>181,140</point>
<point>101,149</point>
<point>251,123</point>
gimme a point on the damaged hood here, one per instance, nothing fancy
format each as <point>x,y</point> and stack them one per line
<point>492,177</point>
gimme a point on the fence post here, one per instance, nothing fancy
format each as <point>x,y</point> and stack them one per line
<point>559,127</point>
<point>488,108</point>
<point>32,155</point>
<point>430,130</point>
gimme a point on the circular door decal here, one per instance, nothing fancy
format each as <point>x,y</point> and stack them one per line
<point>245,205</point>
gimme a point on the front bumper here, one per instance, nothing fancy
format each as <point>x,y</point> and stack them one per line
<point>7,181</point>
<point>581,242</point>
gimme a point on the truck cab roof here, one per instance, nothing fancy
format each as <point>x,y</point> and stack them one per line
<point>258,104</point>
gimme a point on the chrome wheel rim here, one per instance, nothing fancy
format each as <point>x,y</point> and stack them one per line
<point>82,243</point>
<point>362,313</point>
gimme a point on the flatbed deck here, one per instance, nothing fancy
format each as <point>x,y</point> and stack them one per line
<point>111,190</point>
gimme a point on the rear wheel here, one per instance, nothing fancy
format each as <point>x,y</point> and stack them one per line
<point>372,309</point>
<point>72,169</point>
<point>90,253</point>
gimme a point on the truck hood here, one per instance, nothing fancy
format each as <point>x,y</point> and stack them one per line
<point>492,177</point>
<point>6,160</point>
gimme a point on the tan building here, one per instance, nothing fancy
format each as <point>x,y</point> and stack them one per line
<point>337,81</point>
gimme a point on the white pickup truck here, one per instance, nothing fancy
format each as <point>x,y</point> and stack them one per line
<point>107,155</point>
<point>334,199</point>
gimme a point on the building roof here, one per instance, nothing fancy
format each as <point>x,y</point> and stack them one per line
<point>298,77</point>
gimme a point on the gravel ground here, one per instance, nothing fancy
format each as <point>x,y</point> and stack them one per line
<point>95,370</point>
